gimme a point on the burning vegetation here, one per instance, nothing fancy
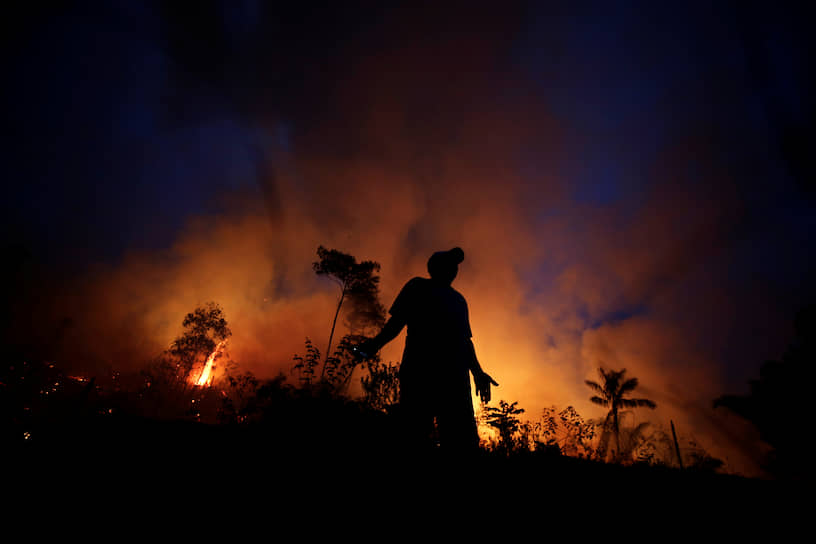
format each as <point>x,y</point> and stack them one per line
<point>205,377</point>
<point>336,397</point>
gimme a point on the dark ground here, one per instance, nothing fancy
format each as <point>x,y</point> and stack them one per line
<point>314,459</point>
<point>131,473</point>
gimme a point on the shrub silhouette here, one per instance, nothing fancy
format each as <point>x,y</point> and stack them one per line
<point>568,431</point>
<point>381,385</point>
<point>504,420</point>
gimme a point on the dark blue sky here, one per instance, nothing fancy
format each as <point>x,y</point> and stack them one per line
<point>120,108</point>
<point>126,118</point>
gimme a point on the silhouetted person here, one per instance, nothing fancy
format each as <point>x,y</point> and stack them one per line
<point>438,357</point>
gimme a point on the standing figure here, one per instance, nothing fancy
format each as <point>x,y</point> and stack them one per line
<point>438,358</point>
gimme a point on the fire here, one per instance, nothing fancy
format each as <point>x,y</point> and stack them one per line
<point>206,377</point>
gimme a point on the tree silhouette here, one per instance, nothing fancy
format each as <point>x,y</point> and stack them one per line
<point>777,403</point>
<point>359,285</point>
<point>204,327</point>
<point>612,393</point>
<point>164,380</point>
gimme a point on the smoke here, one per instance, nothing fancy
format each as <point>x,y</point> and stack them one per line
<point>402,142</point>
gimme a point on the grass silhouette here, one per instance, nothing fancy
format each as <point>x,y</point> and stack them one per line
<point>299,438</point>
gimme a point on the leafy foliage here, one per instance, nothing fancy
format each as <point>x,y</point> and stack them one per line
<point>631,439</point>
<point>655,446</point>
<point>504,419</point>
<point>381,385</point>
<point>306,365</point>
<point>567,430</point>
<point>336,370</point>
<point>340,366</point>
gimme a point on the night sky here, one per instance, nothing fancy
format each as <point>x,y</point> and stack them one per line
<point>631,182</point>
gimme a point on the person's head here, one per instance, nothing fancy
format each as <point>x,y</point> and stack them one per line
<point>444,265</point>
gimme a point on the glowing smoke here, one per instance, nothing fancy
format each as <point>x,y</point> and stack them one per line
<point>430,143</point>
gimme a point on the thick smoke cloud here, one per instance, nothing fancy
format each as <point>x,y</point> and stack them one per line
<point>391,141</point>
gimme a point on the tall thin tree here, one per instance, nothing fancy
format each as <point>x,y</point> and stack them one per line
<point>358,283</point>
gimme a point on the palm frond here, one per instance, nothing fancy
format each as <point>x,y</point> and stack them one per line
<point>629,385</point>
<point>638,403</point>
<point>595,386</point>
<point>599,400</point>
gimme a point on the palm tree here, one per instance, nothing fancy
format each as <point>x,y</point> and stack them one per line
<point>611,393</point>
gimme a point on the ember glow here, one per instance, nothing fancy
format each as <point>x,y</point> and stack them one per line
<point>207,372</point>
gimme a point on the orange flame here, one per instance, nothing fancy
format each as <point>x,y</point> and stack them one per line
<point>206,377</point>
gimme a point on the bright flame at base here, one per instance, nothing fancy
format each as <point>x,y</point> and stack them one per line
<point>206,377</point>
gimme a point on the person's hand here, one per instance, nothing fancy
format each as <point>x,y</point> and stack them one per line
<point>366,349</point>
<point>483,382</point>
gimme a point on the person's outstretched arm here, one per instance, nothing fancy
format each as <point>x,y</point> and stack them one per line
<point>480,378</point>
<point>389,331</point>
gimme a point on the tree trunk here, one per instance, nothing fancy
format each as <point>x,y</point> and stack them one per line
<point>331,335</point>
<point>676,445</point>
<point>617,436</point>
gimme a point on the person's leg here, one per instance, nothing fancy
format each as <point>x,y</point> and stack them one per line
<point>457,425</point>
<point>416,416</point>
